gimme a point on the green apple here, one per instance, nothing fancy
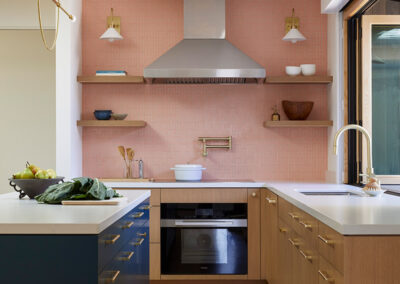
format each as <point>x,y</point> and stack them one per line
<point>17,175</point>
<point>52,173</point>
<point>27,174</point>
<point>42,174</point>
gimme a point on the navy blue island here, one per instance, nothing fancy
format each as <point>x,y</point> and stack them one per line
<point>83,244</point>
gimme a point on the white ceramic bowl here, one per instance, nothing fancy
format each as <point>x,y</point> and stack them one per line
<point>293,70</point>
<point>308,69</point>
<point>188,172</point>
<point>375,193</point>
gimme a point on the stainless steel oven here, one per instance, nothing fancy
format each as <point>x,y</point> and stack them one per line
<point>204,238</point>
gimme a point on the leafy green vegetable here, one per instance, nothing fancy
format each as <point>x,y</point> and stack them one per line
<point>81,188</point>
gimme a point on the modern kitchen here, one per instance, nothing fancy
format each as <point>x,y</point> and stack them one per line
<point>196,141</point>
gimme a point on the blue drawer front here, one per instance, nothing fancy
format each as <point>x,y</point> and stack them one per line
<point>127,262</point>
<point>118,234</point>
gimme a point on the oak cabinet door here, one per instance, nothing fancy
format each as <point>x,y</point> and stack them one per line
<point>269,236</point>
<point>285,252</point>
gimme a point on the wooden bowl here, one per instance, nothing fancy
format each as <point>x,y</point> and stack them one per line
<point>297,110</point>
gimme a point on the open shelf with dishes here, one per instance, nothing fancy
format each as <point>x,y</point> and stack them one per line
<point>297,123</point>
<point>298,79</point>
<point>93,79</point>
<point>111,123</point>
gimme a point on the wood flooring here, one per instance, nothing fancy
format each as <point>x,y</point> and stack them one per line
<point>208,282</point>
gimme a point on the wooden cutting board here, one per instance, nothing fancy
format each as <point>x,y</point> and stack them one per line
<point>113,201</point>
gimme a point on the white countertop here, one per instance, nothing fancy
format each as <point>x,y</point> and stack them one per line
<point>348,215</point>
<point>174,184</point>
<point>29,217</point>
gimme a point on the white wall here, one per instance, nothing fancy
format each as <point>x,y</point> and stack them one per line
<point>28,103</point>
<point>68,90</point>
<point>22,14</point>
<point>335,95</point>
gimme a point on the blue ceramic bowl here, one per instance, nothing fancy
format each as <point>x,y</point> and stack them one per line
<point>102,114</point>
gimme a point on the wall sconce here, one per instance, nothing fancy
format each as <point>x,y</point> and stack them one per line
<point>292,29</point>
<point>113,31</point>
<point>59,7</point>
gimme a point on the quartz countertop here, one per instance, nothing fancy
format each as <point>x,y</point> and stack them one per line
<point>200,184</point>
<point>348,215</point>
<point>26,216</point>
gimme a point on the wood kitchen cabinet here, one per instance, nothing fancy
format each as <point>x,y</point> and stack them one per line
<point>269,236</point>
<point>251,196</point>
<point>310,252</point>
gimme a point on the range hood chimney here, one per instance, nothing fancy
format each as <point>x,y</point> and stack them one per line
<point>204,56</point>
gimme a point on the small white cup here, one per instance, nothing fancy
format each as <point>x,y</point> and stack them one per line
<point>293,70</point>
<point>308,69</point>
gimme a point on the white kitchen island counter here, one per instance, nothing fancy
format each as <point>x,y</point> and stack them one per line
<point>174,184</point>
<point>29,217</point>
<point>348,215</point>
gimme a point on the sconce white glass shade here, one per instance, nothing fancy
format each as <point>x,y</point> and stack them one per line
<point>111,34</point>
<point>294,36</point>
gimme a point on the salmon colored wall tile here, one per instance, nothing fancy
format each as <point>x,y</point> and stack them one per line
<point>178,115</point>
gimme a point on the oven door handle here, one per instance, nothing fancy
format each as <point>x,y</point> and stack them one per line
<point>205,223</point>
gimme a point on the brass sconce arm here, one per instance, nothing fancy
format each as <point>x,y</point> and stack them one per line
<point>70,16</point>
<point>206,146</point>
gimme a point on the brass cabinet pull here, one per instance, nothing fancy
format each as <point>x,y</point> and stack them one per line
<point>113,277</point>
<point>282,230</point>
<point>295,244</point>
<point>142,234</point>
<point>127,257</point>
<point>294,216</point>
<point>146,207</point>
<point>113,240</point>
<point>137,215</point>
<point>138,242</point>
<point>305,225</point>
<point>253,194</point>
<point>326,277</point>
<point>326,240</point>
<point>128,225</point>
<point>308,257</point>
<point>271,201</point>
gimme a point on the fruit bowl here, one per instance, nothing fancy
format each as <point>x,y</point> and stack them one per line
<point>297,110</point>
<point>33,187</point>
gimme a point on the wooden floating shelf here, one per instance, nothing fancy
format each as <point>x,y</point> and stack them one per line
<point>298,123</point>
<point>299,80</point>
<point>111,123</point>
<point>93,79</point>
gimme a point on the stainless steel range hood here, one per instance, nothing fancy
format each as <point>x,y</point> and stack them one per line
<point>204,56</point>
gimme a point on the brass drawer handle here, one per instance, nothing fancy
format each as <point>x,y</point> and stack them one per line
<point>282,230</point>
<point>326,277</point>
<point>127,257</point>
<point>294,216</point>
<point>113,277</point>
<point>138,242</point>
<point>295,244</point>
<point>306,256</point>
<point>137,215</point>
<point>113,240</point>
<point>142,234</point>
<point>305,225</point>
<point>146,207</point>
<point>271,201</point>
<point>128,225</point>
<point>326,240</point>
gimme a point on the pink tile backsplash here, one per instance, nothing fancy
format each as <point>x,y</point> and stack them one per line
<point>178,115</point>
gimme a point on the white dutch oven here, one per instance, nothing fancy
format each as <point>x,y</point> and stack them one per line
<point>188,172</point>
